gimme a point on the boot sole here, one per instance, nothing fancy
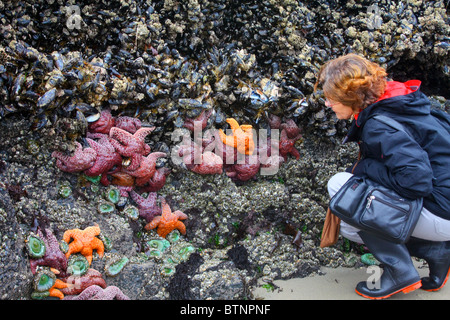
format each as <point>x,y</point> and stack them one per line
<point>405,290</point>
<point>442,285</point>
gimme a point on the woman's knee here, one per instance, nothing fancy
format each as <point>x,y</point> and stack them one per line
<point>337,181</point>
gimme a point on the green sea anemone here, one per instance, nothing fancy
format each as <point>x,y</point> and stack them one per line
<point>65,190</point>
<point>35,246</point>
<point>131,212</point>
<point>167,270</point>
<point>77,265</point>
<point>113,267</point>
<point>369,259</point>
<point>106,207</point>
<point>174,236</point>
<point>112,194</point>
<point>44,280</point>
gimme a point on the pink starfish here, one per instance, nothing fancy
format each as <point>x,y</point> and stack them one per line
<point>148,209</point>
<point>292,130</point>
<point>98,293</point>
<point>210,164</point>
<point>131,145</point>
<point>81,160</point>
<point>107,158</point>
<point>146,169</point>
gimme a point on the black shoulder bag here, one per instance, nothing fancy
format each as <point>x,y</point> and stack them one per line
<point>369,206</point>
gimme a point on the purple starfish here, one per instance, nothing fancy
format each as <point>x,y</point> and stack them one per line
<point>54,257</point>
<point>148,209</point>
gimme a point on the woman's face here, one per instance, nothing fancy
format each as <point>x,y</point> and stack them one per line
<point>343,112</point>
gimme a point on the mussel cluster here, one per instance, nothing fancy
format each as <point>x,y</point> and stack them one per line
<point>164,61</point>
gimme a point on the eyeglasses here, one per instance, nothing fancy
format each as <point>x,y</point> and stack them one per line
<point>328,103</point>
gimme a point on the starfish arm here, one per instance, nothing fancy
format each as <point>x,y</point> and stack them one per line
<point>98,245</point>
<point>56,293</point>
<point>137,198</point>
<point>59,284</point>
<point>118,147</point>
<point>180,215</point>
<point>74,247</point>
<point>68,235</point>
<point>228,140</point>
<point>153,224</point>
<point>121,135</point>
<point>94,144</point>
<point>295,153</point>
<point>233,123</point>
<point>181,227</point>
<point>142,133</point>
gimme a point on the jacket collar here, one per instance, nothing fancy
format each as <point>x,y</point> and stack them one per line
<point>394,90</point>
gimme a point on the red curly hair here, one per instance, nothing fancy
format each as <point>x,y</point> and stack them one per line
<point>352,80</point>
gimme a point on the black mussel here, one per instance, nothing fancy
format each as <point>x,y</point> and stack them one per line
<point>46,99</point>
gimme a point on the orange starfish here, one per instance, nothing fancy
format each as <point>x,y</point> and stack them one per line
<point>242,138</point>
<point>168,221</point>
<point>84,241</point>
<point>59,284</point>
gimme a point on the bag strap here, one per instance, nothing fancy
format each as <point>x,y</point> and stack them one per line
<point>391,122</point>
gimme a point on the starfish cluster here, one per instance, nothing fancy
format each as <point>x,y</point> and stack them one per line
<point>56,275</point>
<point>116,148</point>
<point>238,154</point>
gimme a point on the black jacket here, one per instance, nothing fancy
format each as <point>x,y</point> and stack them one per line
<point>418,167</point>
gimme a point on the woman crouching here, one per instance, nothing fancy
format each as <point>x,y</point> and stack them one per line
<point>357,89</point>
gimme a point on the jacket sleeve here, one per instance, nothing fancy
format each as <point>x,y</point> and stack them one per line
<point>395,160</point>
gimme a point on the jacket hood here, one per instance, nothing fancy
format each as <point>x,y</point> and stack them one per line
<point>399,98</point>
<point>403,98</point>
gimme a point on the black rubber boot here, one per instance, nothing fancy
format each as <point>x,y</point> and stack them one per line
<point>437,255</point>
<point>399,274</point>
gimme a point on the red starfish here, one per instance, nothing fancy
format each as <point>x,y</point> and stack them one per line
<point>148,209</point>
<point>90,278</point>
<point>131,145</point>
<point>287,145</point>
<point>81,160</point>
<point>168,221</point>
<point>244,171</point>
<point>107,158</point>
<point>129,124</point>
<point>146,169</point>
<point>201,120</point>
<point>103,124</point>
<point>157,181</point>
